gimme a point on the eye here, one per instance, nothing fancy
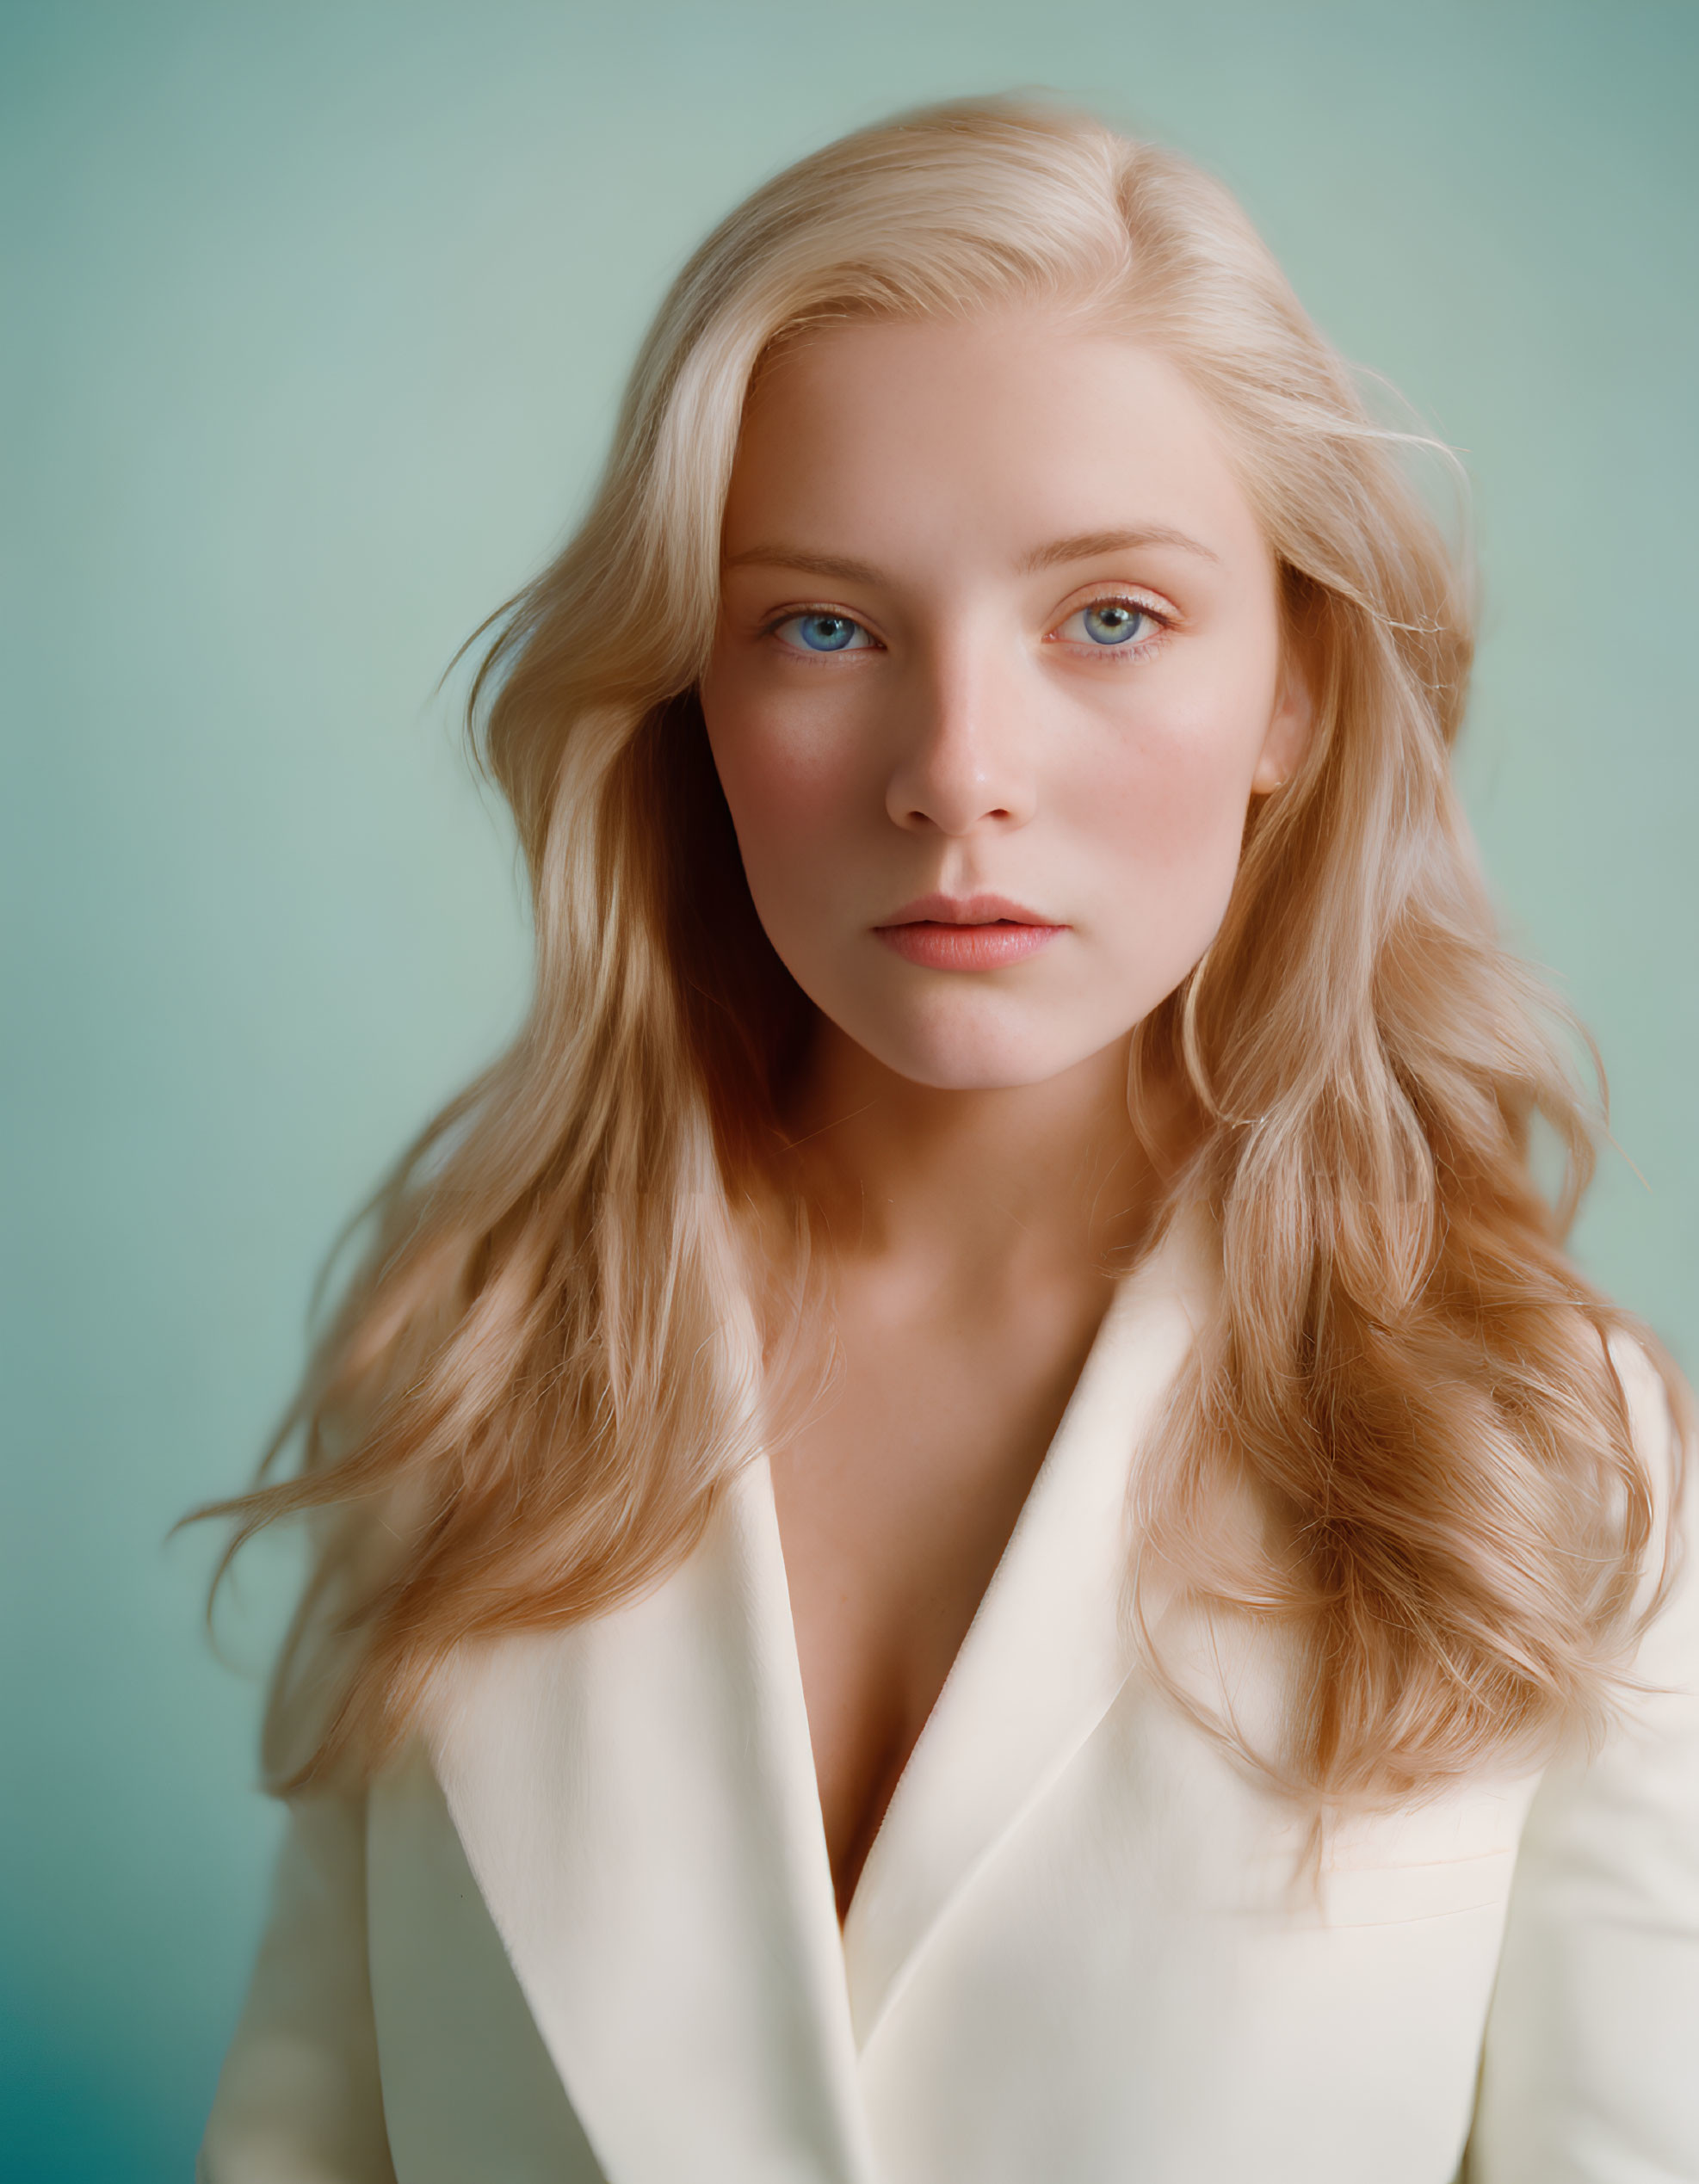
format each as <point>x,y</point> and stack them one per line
<point>821,633</point>
<point>1113,624</point>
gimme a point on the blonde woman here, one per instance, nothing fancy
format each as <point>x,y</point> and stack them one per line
<point>971,1528</point>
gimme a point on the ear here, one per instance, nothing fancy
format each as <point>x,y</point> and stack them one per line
<point>1290,724</point>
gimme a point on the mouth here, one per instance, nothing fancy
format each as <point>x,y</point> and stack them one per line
<point>966,932</point>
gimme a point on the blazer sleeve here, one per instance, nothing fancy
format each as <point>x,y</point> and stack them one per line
<point>1590,2071</point>
<point>298,2100</point>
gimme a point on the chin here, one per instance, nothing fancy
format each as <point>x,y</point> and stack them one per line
<point>985,1059</point>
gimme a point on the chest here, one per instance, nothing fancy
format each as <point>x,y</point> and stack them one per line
<point>1129,1987</point>
<point>1076,1949</point>
<point>896,1492</point>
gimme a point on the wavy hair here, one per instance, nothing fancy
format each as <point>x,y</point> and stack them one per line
<point>553,1354</point>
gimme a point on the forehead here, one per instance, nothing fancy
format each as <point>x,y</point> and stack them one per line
<point>1013,425</point>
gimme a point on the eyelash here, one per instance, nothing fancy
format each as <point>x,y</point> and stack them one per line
<point>1141,648</point>
<point>775,623</point>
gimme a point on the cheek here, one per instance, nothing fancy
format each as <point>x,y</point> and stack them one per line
<point>780,787</point>
<point>1163,810</point>
<point>797,789</point>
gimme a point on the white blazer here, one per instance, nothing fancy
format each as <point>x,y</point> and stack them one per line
<point>585,1931</point>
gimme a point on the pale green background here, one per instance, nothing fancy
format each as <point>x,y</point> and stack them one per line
<point>314,321</point>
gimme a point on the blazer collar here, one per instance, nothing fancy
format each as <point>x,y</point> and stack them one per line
<point>636,1798</point>
<point>1047,1651</point>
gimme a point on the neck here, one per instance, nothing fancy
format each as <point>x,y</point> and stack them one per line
<point>971,1188</point>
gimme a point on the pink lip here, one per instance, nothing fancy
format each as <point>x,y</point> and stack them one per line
<point>967,933</point>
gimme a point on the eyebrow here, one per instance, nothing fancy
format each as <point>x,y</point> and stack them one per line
<point>1082,546</point>
<point>1088,545</point>
<point>777,556</point>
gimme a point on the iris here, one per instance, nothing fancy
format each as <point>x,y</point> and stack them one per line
<point>825,632</point>
<point>1113,622</point>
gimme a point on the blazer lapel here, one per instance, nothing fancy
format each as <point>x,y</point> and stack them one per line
<point>636,1799</point>
<point>1045,1653</point>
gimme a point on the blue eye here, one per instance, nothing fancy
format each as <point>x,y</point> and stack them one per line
<point>824,634</point>
<point>1112,622</point>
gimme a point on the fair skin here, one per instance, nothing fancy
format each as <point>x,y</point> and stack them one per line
<point>999,622</point>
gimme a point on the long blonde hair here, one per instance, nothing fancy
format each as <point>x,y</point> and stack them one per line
<point>551,1359</point>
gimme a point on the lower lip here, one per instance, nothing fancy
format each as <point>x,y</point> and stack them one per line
<point>967,947</point>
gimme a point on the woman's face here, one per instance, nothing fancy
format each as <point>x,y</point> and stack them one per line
<point>997,673</point>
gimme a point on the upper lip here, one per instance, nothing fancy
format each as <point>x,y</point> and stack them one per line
<point>965,910</point>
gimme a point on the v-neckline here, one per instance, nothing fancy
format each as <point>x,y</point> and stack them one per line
<point>635,1796</point>
<point>1045,1651</point>
<point>1115,1291</point>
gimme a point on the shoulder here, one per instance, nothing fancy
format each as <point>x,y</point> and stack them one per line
<point>1660,1422</point>
<point>357,1550</point>
<point>1650,1390</point>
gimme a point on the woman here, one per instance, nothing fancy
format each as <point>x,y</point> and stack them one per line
<point>971,1526</point>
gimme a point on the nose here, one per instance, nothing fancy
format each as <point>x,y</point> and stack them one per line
<point>963,762</point>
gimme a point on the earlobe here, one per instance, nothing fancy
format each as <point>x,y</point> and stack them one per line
<point>1288,734</point>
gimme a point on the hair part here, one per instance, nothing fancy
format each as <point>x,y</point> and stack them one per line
<point>557,1348</point>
